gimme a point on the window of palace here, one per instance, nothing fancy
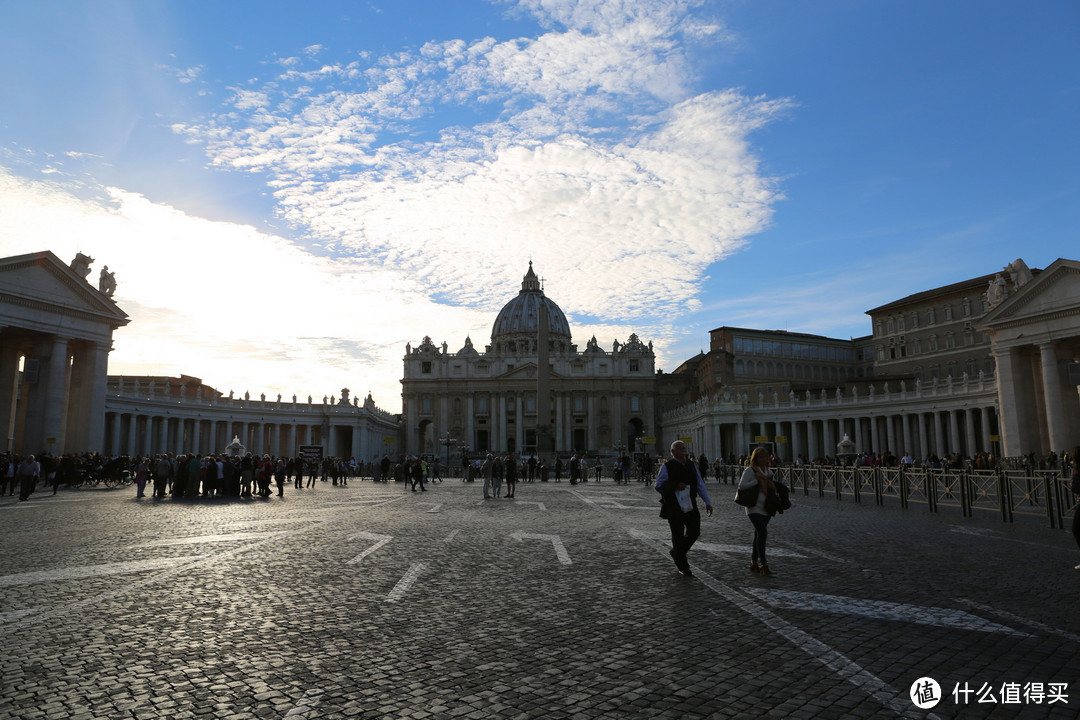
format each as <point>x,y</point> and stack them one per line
<point>635,403</point>
<point>459,370</point>
<point>579,404</point>
<point>947,312</point>
<point>914,320</point>
<point>425,405</point>
<point>635,365</point>
<point>530,403</point>
<point>425,367</point>
<point>931,316</point>
<point>482,404</point>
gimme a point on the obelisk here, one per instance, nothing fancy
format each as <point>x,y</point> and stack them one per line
<point>545,446</point>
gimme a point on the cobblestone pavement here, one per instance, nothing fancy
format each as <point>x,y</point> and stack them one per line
<point>368,601</point>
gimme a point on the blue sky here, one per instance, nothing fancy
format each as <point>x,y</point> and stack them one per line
<point>290,193</point>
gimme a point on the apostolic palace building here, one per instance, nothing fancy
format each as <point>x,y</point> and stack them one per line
<point>988,364</point>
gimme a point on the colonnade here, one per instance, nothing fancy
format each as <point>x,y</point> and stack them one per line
<point>141,426</point>
<point>934,420</point>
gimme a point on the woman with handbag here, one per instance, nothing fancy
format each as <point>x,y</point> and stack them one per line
<point>758,476</point>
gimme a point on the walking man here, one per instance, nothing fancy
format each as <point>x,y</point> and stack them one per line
<point>679,484</point>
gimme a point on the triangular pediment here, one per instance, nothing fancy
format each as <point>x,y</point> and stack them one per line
<point>43,282</point>
<point>1054,291</point>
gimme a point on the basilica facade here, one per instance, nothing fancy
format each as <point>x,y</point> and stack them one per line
<point>602,402</point>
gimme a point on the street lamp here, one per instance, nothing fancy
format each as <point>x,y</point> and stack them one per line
<point>448,442</point>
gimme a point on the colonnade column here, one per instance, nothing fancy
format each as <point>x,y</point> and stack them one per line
<point>922,450</point>
<point>906,435</point>
<point>969,428</point>
<point>1010,402</point>
<point>811,440</point>
<point>1057,430</point>
<point>939,435</point>
<point>890,434</point>
<point>954,432</point>
<point>54,406</point>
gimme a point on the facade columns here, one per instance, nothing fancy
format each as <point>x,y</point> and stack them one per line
<point>1012,431</point>
<point>1056,427</point>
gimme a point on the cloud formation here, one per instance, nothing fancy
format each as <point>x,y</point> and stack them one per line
<point>585,148</point>
<point>420,183</point>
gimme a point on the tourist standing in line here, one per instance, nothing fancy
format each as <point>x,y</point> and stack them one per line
<point>10,473</point>
<point>680,485</point>
<point>27,475</point>
<point>488,471</point>
<point>759,473</point>
<point>279,477</point>
<point>511,475</point>
<point>142,474</point>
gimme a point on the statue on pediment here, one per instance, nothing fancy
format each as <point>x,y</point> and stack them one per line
<point>107,282</point>
<point>81,264</point>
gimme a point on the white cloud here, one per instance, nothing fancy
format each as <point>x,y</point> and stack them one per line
<point>436,172</point>
<point>555,172</point>
<point>239,308</point>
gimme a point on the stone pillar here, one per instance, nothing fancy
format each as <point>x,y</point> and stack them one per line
<point>811,441</point>
<point>906,429</point>
<point>114,445</point>
<point>939,435</point>
<point>984,424</point>
<point>292,440</point>
<point>875,444</point>
<point>9,382</point>
<point>922,449</point>
<point>498,422</point>
<point>1056,425</point>
<point>830,439</point>
<point>954,432</point>
<point>1010,401</point>
<point>890,435</point>
<point>54,408</point>
<point>969,431</point>
<point>470,430</point>
<point>133,435</point>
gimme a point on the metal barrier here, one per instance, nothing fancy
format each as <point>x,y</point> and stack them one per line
<point>1008,492</point>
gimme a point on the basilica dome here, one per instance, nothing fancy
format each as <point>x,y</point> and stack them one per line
<point>520,316</point>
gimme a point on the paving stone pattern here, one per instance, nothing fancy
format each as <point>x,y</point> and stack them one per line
<point>368,601</point>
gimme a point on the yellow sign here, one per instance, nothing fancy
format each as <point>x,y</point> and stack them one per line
<point>781,438</point>
<point>995,438</point>
<point>389,441</point>
<point>648,440</point>
<point>761,438</point>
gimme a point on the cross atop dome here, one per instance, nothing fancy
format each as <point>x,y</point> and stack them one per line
<point>530,283</point>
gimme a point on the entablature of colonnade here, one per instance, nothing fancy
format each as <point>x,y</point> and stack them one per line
<point>942,394</point>
<point>41,294</point>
